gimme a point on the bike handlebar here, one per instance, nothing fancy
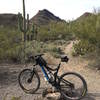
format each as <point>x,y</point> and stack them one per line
<point>33,57</point>
<point>39,55</point>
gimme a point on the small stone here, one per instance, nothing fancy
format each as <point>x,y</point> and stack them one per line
<point>53,96</point>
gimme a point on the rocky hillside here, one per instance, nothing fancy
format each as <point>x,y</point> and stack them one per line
<point>44,17</point>
<point>85,16</point>
<point>8,19</point>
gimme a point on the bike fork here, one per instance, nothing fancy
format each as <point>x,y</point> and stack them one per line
<point>32,74</point>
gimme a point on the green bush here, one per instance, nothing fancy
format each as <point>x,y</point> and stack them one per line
<point>82,47</point>
<point>9,43</point>
<point>55,31</point>
<point>16,98</point>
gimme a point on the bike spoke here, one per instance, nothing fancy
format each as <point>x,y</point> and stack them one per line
<point>72,86</point>
<point>29,81</point>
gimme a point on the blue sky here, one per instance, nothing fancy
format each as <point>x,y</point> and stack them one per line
<point>65,9</point>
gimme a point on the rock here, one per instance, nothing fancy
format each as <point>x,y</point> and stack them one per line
<point>53,96</point>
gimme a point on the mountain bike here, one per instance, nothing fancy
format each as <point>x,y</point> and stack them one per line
<point>71,85</point>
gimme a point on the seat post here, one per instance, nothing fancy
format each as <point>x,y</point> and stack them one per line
<point>57,69</point>
<point>55,74</point>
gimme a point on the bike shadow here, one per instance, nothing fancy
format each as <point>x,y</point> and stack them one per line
<point>92,96</point>
<point>89,96</point>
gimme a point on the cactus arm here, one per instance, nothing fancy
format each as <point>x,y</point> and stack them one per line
<point>27,27</point>
<point>20,22</point>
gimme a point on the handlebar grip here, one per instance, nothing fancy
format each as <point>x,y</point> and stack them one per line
<point>34,57</point>
<point>39,55</point>
<point>31,57</point>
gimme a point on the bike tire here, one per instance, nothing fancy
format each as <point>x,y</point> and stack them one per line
<point>66,95</point>
<point>35,87</point>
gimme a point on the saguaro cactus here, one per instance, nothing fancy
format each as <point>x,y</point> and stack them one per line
<point>23,21</point>
<point>23,26</point>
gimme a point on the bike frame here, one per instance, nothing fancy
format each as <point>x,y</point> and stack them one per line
<point>45,73</point>
<point>54,82</point>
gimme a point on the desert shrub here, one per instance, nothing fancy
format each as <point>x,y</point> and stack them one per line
<point>11,48</point>
<point>55,31</point>
<point>9,43</point>
<point>82,47</point>
<point>16,98</point>
<point>87,30</point>
<point>56,52</point>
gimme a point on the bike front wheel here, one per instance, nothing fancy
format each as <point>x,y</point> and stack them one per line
<point>29,81</point>
<point>72,86</point>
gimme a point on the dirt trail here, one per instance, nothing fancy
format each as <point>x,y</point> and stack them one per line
<point>79,65</point>
<point>9,79</point>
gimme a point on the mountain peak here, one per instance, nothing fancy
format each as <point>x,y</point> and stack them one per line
<point>44,10</point>
<point>44,17</point>
<point>85,15</point>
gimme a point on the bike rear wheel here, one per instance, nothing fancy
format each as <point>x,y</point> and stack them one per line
<point>29,81</point>
<point>72,86</point>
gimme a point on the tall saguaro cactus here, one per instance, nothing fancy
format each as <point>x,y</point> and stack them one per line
<point>24,22</point>
<point>23,26</point>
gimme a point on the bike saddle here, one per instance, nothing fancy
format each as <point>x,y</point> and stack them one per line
<point>64,58</point>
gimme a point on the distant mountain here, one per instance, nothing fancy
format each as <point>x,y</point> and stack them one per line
<point>8,19</point>
<point>43,17</point>
<point>84,16</point>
